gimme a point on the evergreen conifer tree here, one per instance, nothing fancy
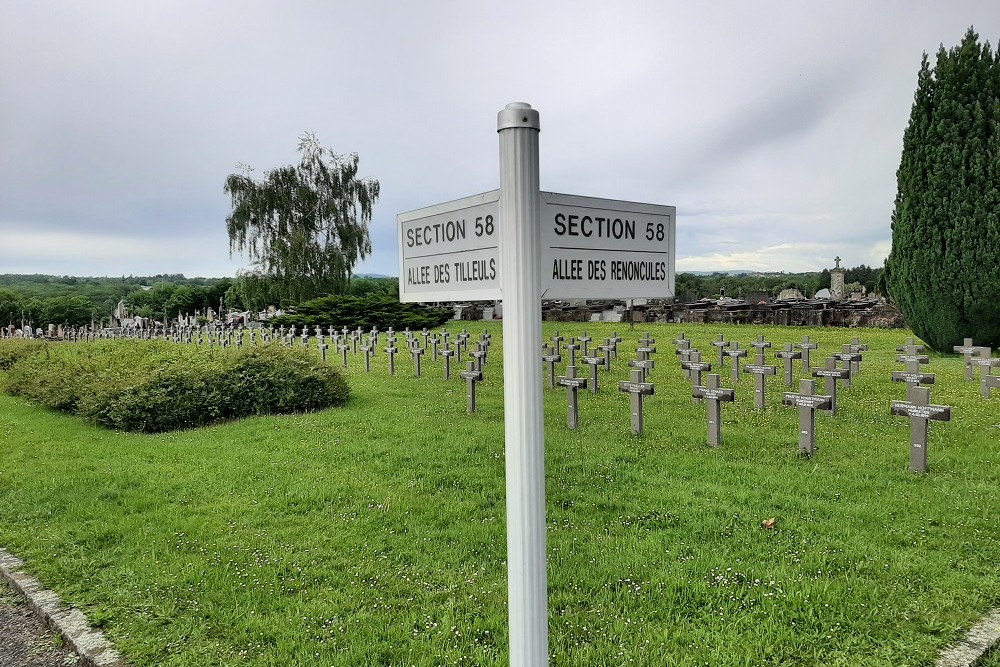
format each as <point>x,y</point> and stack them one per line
<point>944,268</point>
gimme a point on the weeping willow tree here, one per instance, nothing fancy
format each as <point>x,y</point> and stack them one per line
<point>303,227</point>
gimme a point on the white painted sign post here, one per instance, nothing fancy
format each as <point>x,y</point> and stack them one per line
<point>549,246</point>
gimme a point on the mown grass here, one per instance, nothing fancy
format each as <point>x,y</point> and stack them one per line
<point>375,533</point>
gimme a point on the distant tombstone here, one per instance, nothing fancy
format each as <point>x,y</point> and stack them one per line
<point>434,347</point>
<point>696,367</point>
<point>721,343</point>
<point>344,349</point>
<point>760,370</point>
<point>807,401</point>
<point>479,355</point>
<point>735,353</point>
<point>788,355</point>
<point>606,349</point>
<point>714,395</point>
<point>831,375</point>
<point>637,389</point>
<point>551,357</point>
<point>917,407</point>
<point>806,345</point>
<point>584,340</point>
<point>594,363</point>
<point>471,376</point>
<point>322,347</point>
<point>573,385</point>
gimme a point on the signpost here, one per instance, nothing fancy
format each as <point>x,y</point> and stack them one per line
<point>522,245</point>
<point>591,248</point>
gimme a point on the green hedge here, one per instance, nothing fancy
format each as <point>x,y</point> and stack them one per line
<point>365,312</point>
<point>12,349</point>
<point>153,386</point>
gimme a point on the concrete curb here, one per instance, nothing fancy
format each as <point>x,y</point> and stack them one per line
<point>983,636</point>
<point>94,650</point>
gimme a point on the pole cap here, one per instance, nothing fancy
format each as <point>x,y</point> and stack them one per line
<point>517,114</point>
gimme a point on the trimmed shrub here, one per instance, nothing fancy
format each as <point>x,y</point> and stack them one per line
<point>153,386</point>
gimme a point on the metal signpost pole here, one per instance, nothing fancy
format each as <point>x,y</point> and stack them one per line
<point>520,280</point>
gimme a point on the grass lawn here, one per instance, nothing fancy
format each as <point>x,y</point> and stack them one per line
<point>375,533</point>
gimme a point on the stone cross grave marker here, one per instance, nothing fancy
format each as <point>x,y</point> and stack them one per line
<point>479,354</point>
<point>594,363</point>
<point>391,351</point>
<point>644,365</point>
<point>321,342</point>
<point>760,371</point>
<point>807,401</point>
<point>696,367</point>
<point>984,362</point>
<point>615,339</point>
<point>806,345</point>
<point>583,341</point>
<point>968,349</point>
<point>788,355</point>
<point>989,381</point>
<point>721,343</point>
<point>571,347</point>
<point>831,375</point>
<point>367,350</point>
<point>416,352</point>
<point>446,353</point>
<point>714,396</point>
<point>637,389</point>
<point>760,345</point>
<point>912,374</point>
<point>425,334</point>
<point>606,349</point>
<point>557,341</point>
<point>917,407</point>
<point>344,348</point>
<point>735,353</point>
<point>471,375</point>
<point>849,360</point>
<point>551,357</point>
<point>435,342</point>
<point>573,385</point>
<point>683,353</point>
<point>910,342</point>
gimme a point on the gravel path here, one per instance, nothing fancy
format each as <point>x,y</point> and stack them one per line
<point>24,640</point>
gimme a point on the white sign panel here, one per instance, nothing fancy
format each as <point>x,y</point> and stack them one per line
<point>591,249</point>
<point>606,249</point>
<point>450,252</point>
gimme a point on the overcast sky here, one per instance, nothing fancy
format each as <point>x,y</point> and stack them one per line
<point>775,128</point>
